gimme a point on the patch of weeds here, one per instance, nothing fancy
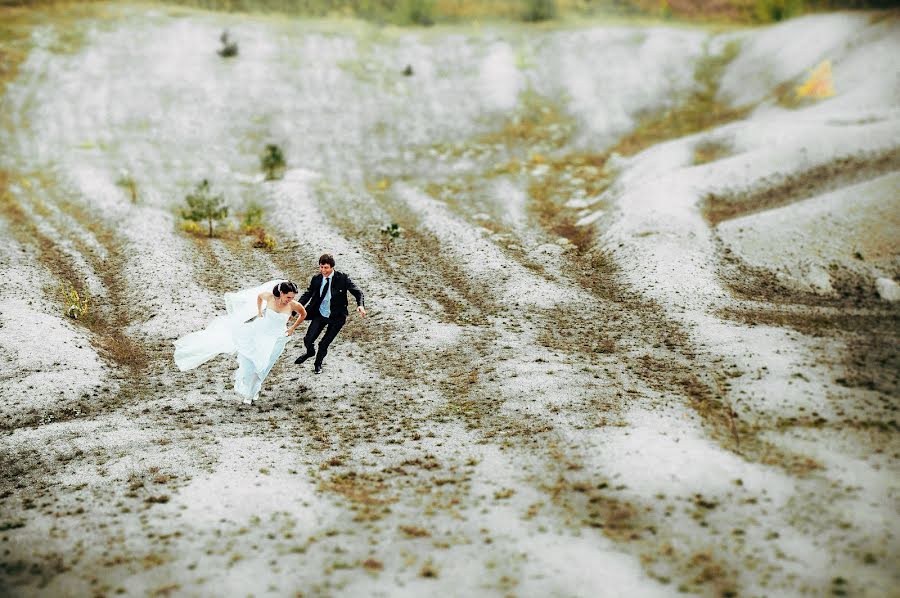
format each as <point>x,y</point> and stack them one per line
<point>574,330</point>
<point>545,206</point>
<point>120,348</point>
<point>15,35</point>
<point>698,112</point>
<point>252,225</point>
<point>76,304</point>
<point>252,216</point>
<point>263,240</point>
<point>709,570</point>
<point>554,182</point>
<point>796,464</point>
<point>539,10</point>
<point>364,491</point>
<point>774,11</point>
<point>166,590</point>
<point>372,564</point>
<point>540,126</point>
<point>415,12</point>
<point>127,182</point>
<point>159,499</point>
<point>413,531</point>
<point>709,151</point>
<point>537,121</point>
<point>153,559</point>
<point>8,525</point>
<point>428,571</point>
<point>191,227</point>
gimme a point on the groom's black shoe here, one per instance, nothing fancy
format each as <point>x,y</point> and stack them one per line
<point>303,358</point>
<point>318,369</point>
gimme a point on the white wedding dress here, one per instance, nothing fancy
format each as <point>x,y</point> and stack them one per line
<point>258,343</point>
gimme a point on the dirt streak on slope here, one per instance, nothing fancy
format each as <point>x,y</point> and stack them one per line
<point>802,185</point>
<point>106,322</point>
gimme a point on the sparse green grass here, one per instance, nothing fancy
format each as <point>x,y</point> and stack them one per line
<point>707,152</point>
<point>539,10</point>
<point>15,29</point>
<point>413,12</point>
<point>537,122</point>
<point>426,12</point>
<point>127,182</point>
<point>698,112</point>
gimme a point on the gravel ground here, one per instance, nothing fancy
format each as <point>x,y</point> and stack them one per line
<point>582,374</point>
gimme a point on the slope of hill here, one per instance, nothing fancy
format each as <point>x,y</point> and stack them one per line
<point>584,373</point>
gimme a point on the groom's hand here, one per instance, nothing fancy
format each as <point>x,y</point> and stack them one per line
<point>361,310</point>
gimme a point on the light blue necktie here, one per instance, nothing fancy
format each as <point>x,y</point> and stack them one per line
<point>325,306</point>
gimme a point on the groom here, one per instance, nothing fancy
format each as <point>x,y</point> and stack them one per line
<point>326,303</point>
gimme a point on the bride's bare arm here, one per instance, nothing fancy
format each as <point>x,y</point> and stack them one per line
<point>301,315</point>
<point>260,299</point>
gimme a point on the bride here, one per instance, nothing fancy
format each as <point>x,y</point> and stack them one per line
<point>258,342</point>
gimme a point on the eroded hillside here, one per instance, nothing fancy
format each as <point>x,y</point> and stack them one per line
<point>635,336</point>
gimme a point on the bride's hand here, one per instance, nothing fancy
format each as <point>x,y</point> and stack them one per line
<point>289,332</point>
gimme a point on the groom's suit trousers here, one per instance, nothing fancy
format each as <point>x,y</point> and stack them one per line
<point>331,326</point>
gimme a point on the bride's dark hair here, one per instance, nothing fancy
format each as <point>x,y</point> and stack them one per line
<point>284,287</point>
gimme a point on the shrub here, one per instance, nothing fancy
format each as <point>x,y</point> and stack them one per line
<point>229,47</point>
<point>416,12</point>
<point>539,10</point>
<point>272,162</point>
<point>76,304</point>
<point>203,206</point>
<point>777,10</point>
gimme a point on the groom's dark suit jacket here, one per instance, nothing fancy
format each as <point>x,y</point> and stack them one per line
<point>340,286</point>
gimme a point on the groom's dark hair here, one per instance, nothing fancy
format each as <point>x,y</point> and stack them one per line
<point>285,287</point>
<point>327,258</point>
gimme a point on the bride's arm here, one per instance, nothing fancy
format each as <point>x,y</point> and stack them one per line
<point>301,315</point>
<point>260,299</point>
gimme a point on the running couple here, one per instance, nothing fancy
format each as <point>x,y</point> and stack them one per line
<point>261,320</point>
